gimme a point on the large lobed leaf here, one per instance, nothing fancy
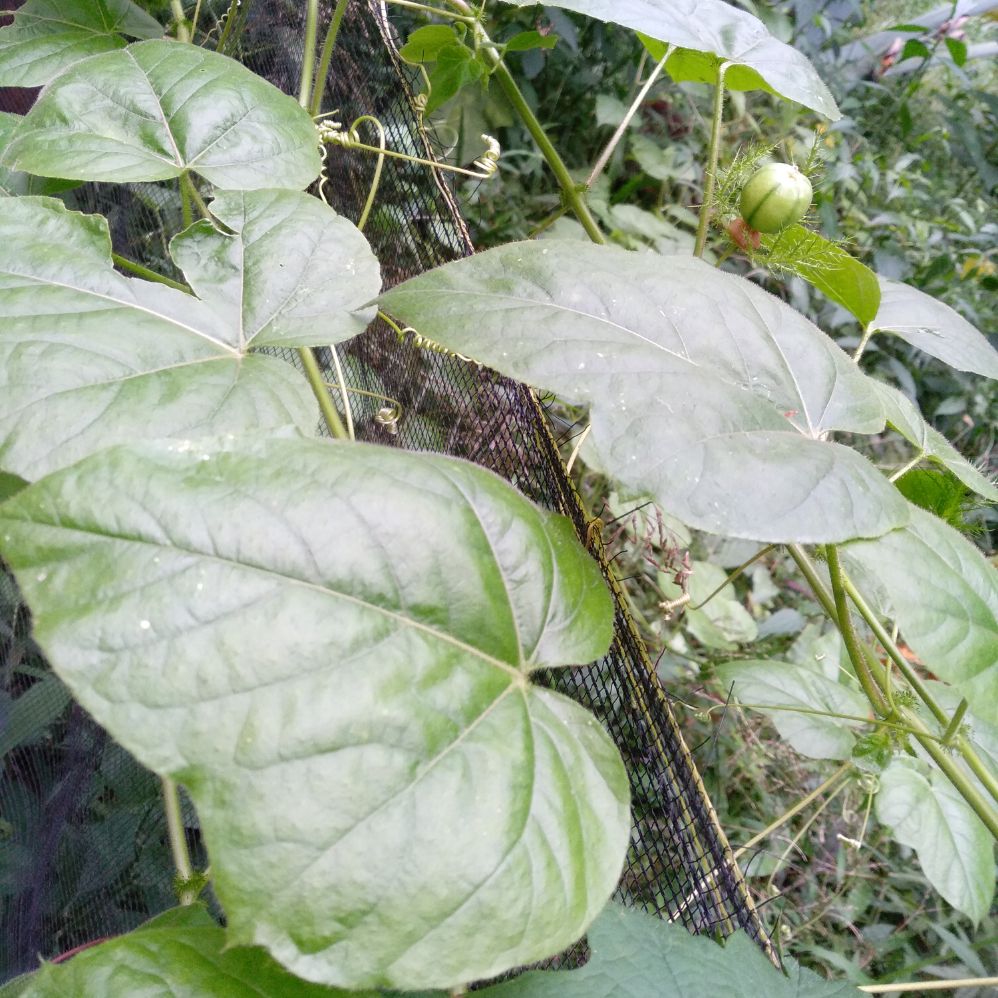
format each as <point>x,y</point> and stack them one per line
<point>955,850</point>
<point>180,952</point>
<point>707,33</point>
<point>944,596</point>
<point>330,645</point>
<point>705,391</point>
<point>14,183</point>
<point>158,109</point>
<point>635,955</point>
<point>47,36</point>
<point>89,358</point>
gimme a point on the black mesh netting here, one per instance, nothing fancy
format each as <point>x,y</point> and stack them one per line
<point>83,852</point>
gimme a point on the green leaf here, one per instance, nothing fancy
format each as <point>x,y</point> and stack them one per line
<point>873,752</point>
<point>939,492</point>
<point>425,43</point>
<point>914,49</point>
<point>10,485</point>
<point>635,955</point>
<point>524,41</point>
<point>48,36</point>
<point>777,684</point>
<point>944,596</point>
<point>17,986</point>
<point>15,184</point>
<point>903,416</point>
<point>709,32</point>
<point>705,391</point>
<point>455,68</point>
<point>957,50</point>
<point>330,646</point>
<point>128,358</point>
<point>181,952</point>
<point>291,272</point>
<point>955,850</point>
<point>829,268</point>
<point>157,109</point>
<point>29,716</point>
<point>928,324</point>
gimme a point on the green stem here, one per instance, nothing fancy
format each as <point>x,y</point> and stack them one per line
<point>954,725</point>
<point>920,987</point>
<point>897,726</point>
<point>379,165</point>
<point>332,33</point>
<point>177,7</point>
<point>867,334</point>
<point>794,811</point>
<point>230,18</point>
<point>734,575</point>
<point>435,11</point>
<point>308,52</point>
<point>188,184</point>
<point>348,143</point>
<point>713,152</point>
<point>604,157</point>
<point>904,469</point>
<point>195,19</point>
<point>859,661</point>
<point>344,392</point>
<point>893,652</point>
<point>573,196</point>
<point>967,751</point>
<point>964,787</point>
<point>314,374</point>
<point>186,213</point>
<point>145,272</point>
<point>178,838</point>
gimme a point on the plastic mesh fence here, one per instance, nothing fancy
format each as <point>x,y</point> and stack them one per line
<point>83,852</point>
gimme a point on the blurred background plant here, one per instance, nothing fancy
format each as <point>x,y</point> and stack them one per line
<point>906,182</point>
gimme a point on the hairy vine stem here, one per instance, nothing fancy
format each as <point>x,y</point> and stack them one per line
<point>178,840</point>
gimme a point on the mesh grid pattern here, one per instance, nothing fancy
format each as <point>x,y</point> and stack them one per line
<point>83,851</point>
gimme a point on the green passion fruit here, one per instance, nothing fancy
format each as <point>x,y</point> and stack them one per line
<point>774,197</point>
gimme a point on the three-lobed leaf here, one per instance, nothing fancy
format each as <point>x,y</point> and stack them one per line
<point>385,796</point>
<point>289,272</point>
<point>944,596</point>
<point>158,109</point>
<point>955,850</point>
<point>48,36</point>
<point>705,391</point>
<point>707,33</point>
<point>128,358</point>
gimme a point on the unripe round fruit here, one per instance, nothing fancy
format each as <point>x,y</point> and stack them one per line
<point>774,197</point>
